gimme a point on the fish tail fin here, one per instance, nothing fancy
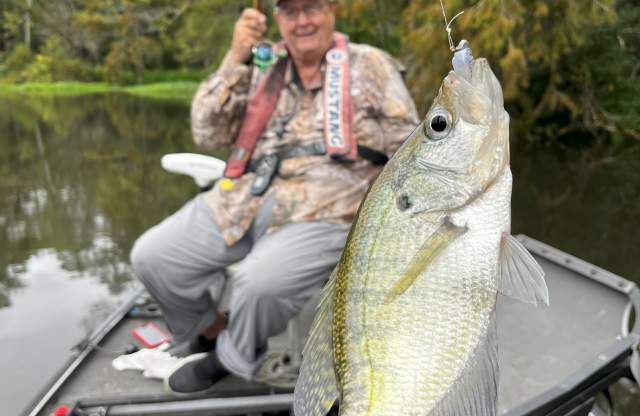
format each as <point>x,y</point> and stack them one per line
<point>519,275</point>
<point>317,388</point>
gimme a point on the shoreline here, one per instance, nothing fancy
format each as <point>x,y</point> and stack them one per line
<point>177,91</point>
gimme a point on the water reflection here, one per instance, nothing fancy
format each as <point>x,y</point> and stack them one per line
<point>80,179</point>
<point>81,175</point>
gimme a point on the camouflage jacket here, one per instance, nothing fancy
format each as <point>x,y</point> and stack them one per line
<point>307,188</point>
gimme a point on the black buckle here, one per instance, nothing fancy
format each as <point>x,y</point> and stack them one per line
<point>265,171</point>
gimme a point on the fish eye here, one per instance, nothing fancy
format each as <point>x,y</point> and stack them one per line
<point>438,124</point>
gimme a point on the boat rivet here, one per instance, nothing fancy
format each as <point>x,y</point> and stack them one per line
<point>594,272</point>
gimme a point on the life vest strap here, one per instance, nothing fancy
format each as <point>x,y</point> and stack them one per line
<point>319,149</point>
<point>340,141</point>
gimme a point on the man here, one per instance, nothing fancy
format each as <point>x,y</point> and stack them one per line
<point>294,181</point>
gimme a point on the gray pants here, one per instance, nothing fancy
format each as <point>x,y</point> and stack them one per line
<point>180,258</point>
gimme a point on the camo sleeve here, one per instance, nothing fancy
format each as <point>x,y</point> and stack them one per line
<point>218,106</point>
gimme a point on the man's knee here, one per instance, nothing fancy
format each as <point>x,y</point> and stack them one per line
<point>142,257</point>
<point>255,281</point>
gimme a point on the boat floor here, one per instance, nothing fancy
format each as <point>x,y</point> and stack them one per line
<point>538,347</point>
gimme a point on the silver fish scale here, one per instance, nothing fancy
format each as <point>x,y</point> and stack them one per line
<point>404,357</point>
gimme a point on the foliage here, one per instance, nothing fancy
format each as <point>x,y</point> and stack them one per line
<point>156,76</point>
<point>553,58</point>
<point>10,25</point>
<point>542,52</point>
<point>205,32</point>
<point>614,89</point>
<point>569,68</point>
<point>131,31</point>
<point>373,22</point>
<point>54,64</point>
<point>14,62</point>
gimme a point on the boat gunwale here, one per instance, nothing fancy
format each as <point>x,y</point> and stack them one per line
<point>555,399</point>
<point>86,347</point>
<point>564,396</point>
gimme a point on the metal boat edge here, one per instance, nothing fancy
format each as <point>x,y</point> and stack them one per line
<point>573,396</point>
<point>570,396</point>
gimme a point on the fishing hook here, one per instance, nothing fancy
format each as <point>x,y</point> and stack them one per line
<point>448,26</point>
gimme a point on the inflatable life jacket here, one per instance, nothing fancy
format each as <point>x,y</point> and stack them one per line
<point>340,142</point>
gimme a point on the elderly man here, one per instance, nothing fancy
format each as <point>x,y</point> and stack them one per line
<point>308,136</point>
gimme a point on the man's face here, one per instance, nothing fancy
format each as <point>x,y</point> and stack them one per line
<point>306,25</point>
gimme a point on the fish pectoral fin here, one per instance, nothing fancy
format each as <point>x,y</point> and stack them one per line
<point>317,389</point>
<point>519,275</point>
<point>432,247</point>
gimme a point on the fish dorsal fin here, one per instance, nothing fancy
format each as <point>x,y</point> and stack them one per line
<point>519,276</point>
<point>432,247</point>
<point>317,388</point>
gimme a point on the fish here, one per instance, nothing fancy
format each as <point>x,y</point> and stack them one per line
<point>406,324</point>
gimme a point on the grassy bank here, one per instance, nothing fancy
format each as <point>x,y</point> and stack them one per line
<point>177,90</point>
<point>180,91</point>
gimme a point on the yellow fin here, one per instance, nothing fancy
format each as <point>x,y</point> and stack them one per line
<point>431,248</point>
<point>520,277</point>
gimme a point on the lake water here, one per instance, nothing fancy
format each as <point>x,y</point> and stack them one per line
<point>80,179</point>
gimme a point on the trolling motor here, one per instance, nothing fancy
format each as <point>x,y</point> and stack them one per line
<point>204,170</point>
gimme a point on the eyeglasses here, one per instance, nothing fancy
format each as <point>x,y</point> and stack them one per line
<point>310,10</point>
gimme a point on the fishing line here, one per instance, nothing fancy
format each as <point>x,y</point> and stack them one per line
<point>448,26</point>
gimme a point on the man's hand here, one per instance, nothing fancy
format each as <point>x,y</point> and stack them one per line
<point>247,32</point>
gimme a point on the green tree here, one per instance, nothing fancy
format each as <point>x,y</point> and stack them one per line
<point>128,30</point>
<point>67,21</point>
<point>569,68</point>
<point>540,50</point>
<point>204,32</point>
<point>10,25</point>
<point>374,22</point>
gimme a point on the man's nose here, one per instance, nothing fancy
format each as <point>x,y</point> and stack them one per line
<point>302,18</point>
